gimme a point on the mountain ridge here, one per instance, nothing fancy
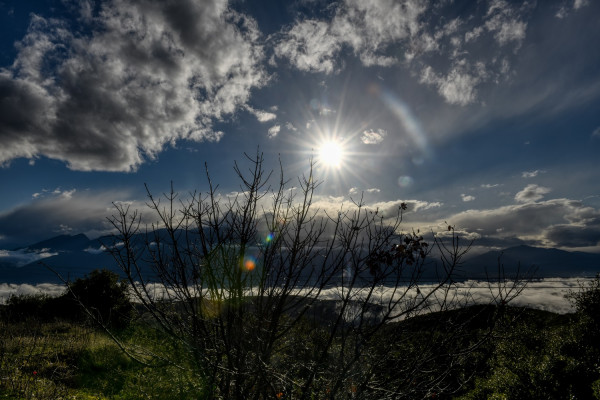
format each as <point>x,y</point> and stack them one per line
<point>74,256</point>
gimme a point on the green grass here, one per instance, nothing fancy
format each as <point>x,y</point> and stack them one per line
<point>69,361</point>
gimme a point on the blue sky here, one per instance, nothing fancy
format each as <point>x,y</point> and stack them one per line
<point>484,114</point>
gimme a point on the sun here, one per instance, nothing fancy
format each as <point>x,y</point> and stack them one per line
<point>331,153</point>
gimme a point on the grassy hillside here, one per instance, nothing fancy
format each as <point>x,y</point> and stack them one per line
<point>531,354</point>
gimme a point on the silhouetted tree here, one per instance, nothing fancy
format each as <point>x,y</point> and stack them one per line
<point>274,298</point>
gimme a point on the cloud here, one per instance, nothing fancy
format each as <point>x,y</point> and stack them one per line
<point>550,223</point>
<point>290,127</point>
<point>8,289</point>
<point>504,21</point>
<point>577,4</point>
<point>467,198</point>
<point>408,34</point>
<point>373,137</point>
<point>596,133</point>
<point>54,214</point>
<point>23,257</point>
<point>531,193</point>
<point>262,116</point>
<point>310,46</point>
<point>145,75</point>
<point>489,185</point>
<point>367,28</point>
<point>544,294</point>
<point>532,174</point>
<point>355,190</point>
<point>273,131</point>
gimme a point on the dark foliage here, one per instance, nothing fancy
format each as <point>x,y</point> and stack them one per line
<point>100,297</point>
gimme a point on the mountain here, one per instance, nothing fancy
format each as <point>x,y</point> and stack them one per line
<point>543,262</point>
<point>74,256</point>
<point>71,256</point>
<point>63,243</point>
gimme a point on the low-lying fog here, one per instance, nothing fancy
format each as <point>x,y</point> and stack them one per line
<point>546,294</point>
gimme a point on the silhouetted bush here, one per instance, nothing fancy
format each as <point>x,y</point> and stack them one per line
<point>99,297</point>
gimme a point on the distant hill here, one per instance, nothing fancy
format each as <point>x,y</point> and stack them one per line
<point>546,262</point>
<point>64,243</point>
<point>74,256</point>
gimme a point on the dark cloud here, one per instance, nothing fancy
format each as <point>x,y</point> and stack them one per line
<point>147,74</point>
<point>550,223</point>
<point>575,235</point>
<point>59,212</point>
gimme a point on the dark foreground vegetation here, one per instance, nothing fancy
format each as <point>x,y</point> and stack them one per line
<point>502,352</point>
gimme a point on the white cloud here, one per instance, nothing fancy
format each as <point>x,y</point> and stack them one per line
<point>23,257</point>
<point>467,198</point>
<point>458,87</point>
<point>577,4</point>
<point>147,75</point>
<point>489,185</point>
<point>310,46</point>
<point>262,116</point>
<point>596,133</point>
<point>290,127</point>
<point>532,174</point>
<point>273,131</point>
<point>531,193</point>
<point>376,31</point>
<point>373,137</point>
<point>368,28</point>
<point>505,22</point>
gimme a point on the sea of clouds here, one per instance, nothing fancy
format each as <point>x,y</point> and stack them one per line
<point>544,294</point>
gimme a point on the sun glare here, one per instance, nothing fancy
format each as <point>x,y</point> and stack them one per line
<point>331,154</point>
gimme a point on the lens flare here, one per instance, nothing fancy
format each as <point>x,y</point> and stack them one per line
<point>269,238</point>
<point>249,264</point>
<point>405,181</point>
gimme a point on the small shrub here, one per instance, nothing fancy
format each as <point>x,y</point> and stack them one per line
<point>103,297</point>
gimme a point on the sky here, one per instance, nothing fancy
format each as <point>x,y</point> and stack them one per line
<point>480,114</point>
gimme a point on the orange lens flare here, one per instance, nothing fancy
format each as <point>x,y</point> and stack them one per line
<point>249,265</point>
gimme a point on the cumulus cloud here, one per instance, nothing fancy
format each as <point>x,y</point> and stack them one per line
<point>373,137</point>
<point>262,116</point>
<point>146,75</point>
<point>467,198</point>
<point>531,193</point>
<point>310,46</point>
<point>549,223</point>
<point>273,131</point>
<point>368,28</point>
<point>376,32</point>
